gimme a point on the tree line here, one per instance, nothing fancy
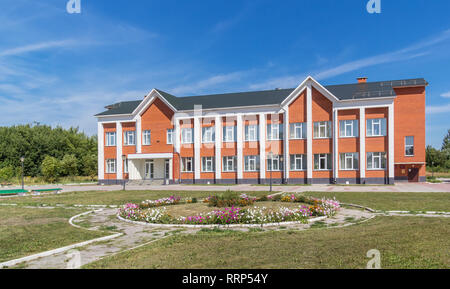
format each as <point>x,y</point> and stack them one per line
<point>48,152</point>
<point>439,159</point>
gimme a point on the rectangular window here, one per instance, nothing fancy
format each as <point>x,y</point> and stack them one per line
<point>322,162</point>
<point>251,133</point>
<point>125,166</point>
<point>147,138</point>
<point>297,130</point>
<point>409,146</point>
<point>187,165</point>
<point>251,163</point>
<point>376,161</point>
<point>348,128</point>
<point>229,133</point>
<point>274,131</point>
<point>129,138</point>
<point>110,139</point>
<point>349,161</point>
<point>208,134</point>
<point>187,135</point>
<point>376,127</point>
<point>229,164</point>
<point>275,163</point>
<point>111,166</point>
<point>170,136</point>
<point>208,164</point>
<point>298,162</point>
<point>322,129</point>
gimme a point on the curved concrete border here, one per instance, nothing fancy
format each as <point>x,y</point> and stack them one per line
<point>359,206</point>
<point>218,225</point>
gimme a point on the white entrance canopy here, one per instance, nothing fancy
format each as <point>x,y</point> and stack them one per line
<point>150,156</point>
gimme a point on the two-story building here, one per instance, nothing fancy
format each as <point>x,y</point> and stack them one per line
<point>359,133</point>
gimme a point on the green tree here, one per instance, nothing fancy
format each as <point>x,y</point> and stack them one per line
<point>434,157</point>
<point>69,166</point>
<point>6,174</point>
<point>90,165</point>
<point>51,168</point>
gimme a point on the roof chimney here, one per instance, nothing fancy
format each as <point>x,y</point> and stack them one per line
<point>362,79</point>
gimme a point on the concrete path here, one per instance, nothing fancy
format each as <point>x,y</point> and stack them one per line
<point>399,187</point>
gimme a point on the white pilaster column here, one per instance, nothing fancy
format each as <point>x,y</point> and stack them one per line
<point>197,144</point>
<point>218,147</point>
<point>177,136</point>
<point>335,143</point>
<point>391,142</point>
<point>240,145</point>
<point>309,131</point>
<point>101,151</point>
<point>119,162</point>
<point>262,145</point>
<point>362,142</point>
<point>138,135</point>
<point>286,144</point>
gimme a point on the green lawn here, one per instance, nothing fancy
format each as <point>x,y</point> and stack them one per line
<point>392,201</point>
<point>404,242</point>
<point>108,198</point>
<point>24,232</point>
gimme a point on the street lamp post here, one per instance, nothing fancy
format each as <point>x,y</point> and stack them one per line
<point>124,158</point>
<point>22,160</point>
<point>270,156</point>
<point>283,177</point>
<point>432,170</point>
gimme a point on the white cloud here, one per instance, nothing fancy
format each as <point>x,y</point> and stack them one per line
<point>436,109</point>
<point>446,95</point>
<point>407,53</point>
<point>36,47</point>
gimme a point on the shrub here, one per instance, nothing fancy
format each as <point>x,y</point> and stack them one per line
<point>6,174</point>
<point>230,199</point>
<point>69,166</point>
<point>50,169</point>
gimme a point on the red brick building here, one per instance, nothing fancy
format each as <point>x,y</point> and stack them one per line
<point>364,132</point>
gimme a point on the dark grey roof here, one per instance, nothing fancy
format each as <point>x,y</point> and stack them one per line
<point>270,97</point>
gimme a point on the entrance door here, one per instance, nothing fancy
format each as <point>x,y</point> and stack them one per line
<point>167,169</point>
<point>149,170</point>
<point>413,175</point>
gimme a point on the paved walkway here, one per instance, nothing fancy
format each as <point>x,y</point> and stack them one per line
<point>399,187</point>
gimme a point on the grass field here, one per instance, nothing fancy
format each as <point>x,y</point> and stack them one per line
<point>108,198</point>
<point>404,242</point>
<point>25,231</point>
<point>375,200</point>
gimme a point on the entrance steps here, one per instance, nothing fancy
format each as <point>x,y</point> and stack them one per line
<point>146,182</point>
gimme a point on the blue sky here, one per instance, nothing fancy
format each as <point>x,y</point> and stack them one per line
<point>61,69</point>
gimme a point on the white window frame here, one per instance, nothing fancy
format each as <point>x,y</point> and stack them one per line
<point>129,138</point>
<point>111,167</point>
<point>293,162</point>
<point>376,155</point>
<point>275,131</point>
<point>353,124</point>
<point>184,164</point>
<point>210,132</point>
<point>372,123</point>
<point>208,164</point>
<point>108,139</point>
<point>227,130</point>
<point>298,126</point>
<point>147,137</point>
<point>407,146</point>
<point>187,135</point>
<point>354,157</point>
<point>251,133</point>
<point>229,164</point>
<point>251,163</point>
<point>276,159</point>
<point>328,166</point>
<point>169,138</point>
<point>327,129</point>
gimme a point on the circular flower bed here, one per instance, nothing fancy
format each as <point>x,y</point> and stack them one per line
<point>240,210</point>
